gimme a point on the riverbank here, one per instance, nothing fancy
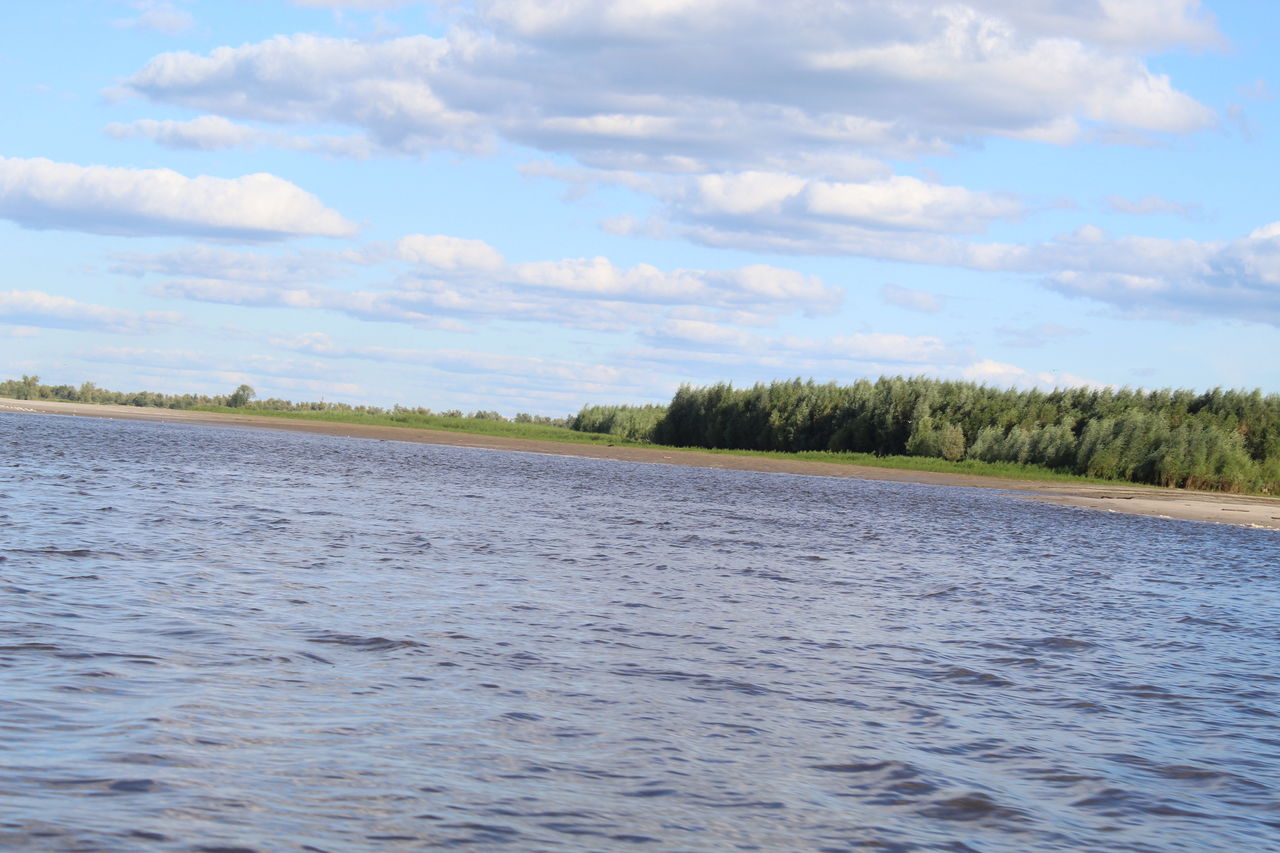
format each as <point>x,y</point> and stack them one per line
<point>1244,510</point>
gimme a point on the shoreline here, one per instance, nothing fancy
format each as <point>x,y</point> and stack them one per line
<point>1212,507</point>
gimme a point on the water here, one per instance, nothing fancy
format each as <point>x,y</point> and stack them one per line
<point>233,640</point>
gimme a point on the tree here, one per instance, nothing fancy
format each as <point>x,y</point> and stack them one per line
<point>28,388</point>
<point>241,397</point>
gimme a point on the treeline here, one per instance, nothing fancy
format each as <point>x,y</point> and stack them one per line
<point>30,388</point>
<point>1220,439</point>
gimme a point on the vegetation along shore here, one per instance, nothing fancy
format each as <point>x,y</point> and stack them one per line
<point>1219,431</point>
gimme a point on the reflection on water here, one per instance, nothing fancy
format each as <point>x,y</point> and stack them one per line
<point>216,640</point>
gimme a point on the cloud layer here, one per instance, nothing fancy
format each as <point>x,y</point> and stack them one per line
<point>45,310</point>
<point>445,280</point>
<point>715,86</point>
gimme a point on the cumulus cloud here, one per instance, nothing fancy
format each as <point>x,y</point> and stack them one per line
<point>1190,279</point>
<point>901,217</point>
<point>448,279</point>
<point>1183,278</point>
<point>40,193</point>
<point>33,308</point>
<point>449,253</point>
<point>1125,24</point>
<point>758,288</point>
<point>716,86</point>
<point>754,125</point>
<point>382,88</point>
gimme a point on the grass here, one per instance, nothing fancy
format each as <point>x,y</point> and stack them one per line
<point>542,432</point>
<point>970,467</point>
<point>473,426</point>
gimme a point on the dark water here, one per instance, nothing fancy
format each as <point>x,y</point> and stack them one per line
<point>231,640</point>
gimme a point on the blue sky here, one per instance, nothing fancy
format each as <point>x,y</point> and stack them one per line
<point>531,206</point>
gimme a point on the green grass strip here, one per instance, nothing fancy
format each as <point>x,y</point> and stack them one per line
<point>542,432</point>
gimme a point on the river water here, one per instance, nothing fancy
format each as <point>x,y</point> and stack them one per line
<point>233,640</point>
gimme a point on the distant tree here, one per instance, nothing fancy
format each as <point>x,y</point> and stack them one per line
<point>241,397</point>
<point>28,388</point>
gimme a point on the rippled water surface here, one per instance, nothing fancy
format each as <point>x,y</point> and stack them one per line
<point>236,640</point>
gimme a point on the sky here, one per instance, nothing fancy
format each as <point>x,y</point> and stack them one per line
<point>535,205</point>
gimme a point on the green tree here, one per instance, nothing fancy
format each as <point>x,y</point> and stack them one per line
<point>241,397</point>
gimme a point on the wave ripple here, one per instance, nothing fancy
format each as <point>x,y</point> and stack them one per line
<point>228,640</point>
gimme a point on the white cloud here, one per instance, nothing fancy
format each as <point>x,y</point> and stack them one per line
<point>717,86</point>
<point>756,288</point>
<point>39,193</point>
<point>1124,24</point>
<point>626,225</point>
<point>19,332</point>
<point>913,300</point>
<point>158,16</point>
<point>1187,279</point>
<point>755,125</point>
<point>231,265</point>
<point>376,306</point>
<point>528,371</point>
<point>1003,375</point>
<point>349,4</point>
<point>33,308</point>
<point>747,192</point>
<point>382,88</point>
<point>449,253</point>
<point>790,213</point>
<point>802,236</point>
<point>909,203</point>
<point>206,133</point>
<point>880,348</point>
<point>215,133</point>
<point>453,279</point>
<point>1151,204</point>
<point>270,375</point>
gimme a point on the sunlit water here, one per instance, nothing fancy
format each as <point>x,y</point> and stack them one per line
<point>235,640</point>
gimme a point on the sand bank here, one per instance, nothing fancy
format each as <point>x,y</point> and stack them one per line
<point>1246,510</point>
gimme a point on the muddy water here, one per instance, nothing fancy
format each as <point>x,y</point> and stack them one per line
<point>234,640</point>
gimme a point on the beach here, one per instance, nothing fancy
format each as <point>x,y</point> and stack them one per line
<point>1213,507</point>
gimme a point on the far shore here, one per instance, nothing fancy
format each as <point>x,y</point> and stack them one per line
<point>1241,510</point>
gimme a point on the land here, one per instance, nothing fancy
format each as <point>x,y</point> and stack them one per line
<point>1219,508</point>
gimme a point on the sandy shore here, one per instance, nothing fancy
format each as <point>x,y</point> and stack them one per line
<point>1249,511</point>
